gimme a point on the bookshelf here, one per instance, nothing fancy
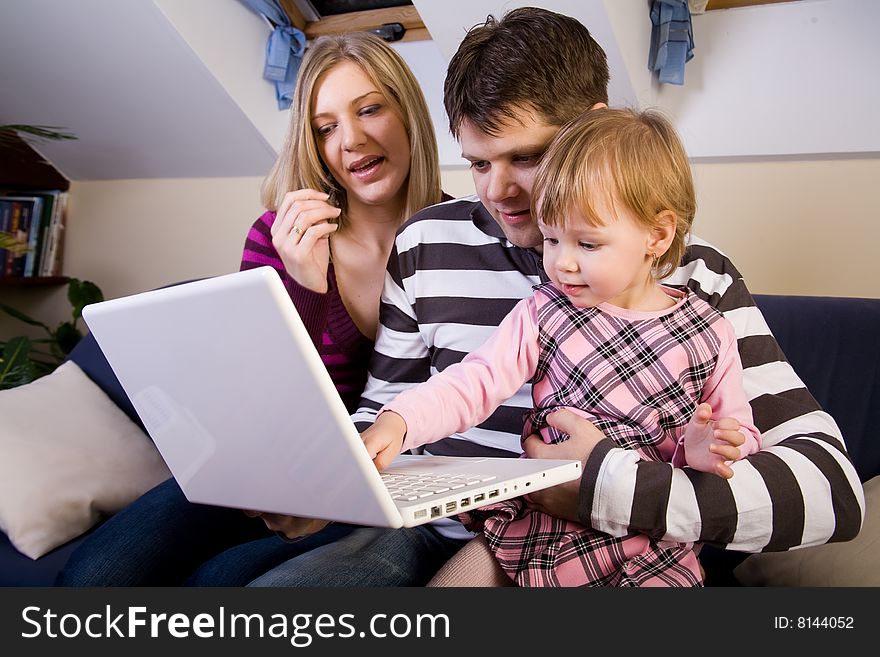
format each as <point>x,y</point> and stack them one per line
<point>32,281</point>
<point>24,174</point>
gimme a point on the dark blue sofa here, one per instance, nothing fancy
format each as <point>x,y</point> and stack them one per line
<point>830,342</point>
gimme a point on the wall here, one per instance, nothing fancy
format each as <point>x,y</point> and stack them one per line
<point>119,76</point>
<point>804,224</point>
<point>796,78</point>
<point>134,235</point>
<point>128,236</point>
<point>808,227</point>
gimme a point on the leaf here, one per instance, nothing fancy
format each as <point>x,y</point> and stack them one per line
<point>15,365</point>
<point>40,132</point>
<point>9,310</point>
<point>82,293</point>
<point>67,335</point>
<point>23,359</point>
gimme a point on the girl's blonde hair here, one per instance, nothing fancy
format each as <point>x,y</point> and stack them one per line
<point>635,158</point>
<point>299,164</point>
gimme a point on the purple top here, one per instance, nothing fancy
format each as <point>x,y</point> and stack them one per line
<point>344,350</point>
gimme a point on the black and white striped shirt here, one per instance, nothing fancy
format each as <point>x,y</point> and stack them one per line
<point>453,276</point>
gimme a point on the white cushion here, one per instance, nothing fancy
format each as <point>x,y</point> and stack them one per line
<point>67,456</point>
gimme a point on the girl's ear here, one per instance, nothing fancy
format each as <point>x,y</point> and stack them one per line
<point>662,233</point>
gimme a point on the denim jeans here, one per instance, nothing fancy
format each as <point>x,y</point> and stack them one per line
<point>162,539</point>
<point>368,556</point>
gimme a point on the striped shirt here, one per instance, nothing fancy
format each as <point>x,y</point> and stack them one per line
<point>344,350</point>
<point>453,277</point>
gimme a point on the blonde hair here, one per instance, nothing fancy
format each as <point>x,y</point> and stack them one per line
<point>299,164</point>
<point>631,156</point>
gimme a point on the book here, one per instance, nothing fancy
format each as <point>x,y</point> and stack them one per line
<point>5,223</point>
<point>40,208</point>
<point>49,200</point>
<point>29,222</point>
<point>54,241</point>
<point>13,231</point>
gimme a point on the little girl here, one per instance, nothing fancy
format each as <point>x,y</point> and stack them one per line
<point>655,368</point>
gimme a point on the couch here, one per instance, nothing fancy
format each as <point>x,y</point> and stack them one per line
<point>830,342</point>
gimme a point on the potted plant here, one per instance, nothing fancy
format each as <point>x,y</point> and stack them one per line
<point>23,359</point>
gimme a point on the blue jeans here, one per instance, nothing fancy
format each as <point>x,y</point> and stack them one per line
<point>368,556</point>
<point>162,539</point>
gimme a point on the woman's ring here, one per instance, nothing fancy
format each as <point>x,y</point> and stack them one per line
<point>297,230</point>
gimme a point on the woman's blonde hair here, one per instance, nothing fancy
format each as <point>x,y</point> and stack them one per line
<point>299,164</point>
<point>633,157</point>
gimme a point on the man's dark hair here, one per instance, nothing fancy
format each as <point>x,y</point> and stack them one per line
<point>531,59</point>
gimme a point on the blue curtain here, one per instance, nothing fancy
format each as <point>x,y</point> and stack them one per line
<point>284,50</point>
<point>672,40</point>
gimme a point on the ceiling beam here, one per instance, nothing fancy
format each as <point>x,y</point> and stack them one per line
<point>294,14</point>
<point>360,21</point>
<point>731,4</point>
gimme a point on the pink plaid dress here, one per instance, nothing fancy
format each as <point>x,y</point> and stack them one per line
<point>638,379</point>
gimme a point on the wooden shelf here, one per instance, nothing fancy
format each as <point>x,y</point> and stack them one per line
<point>735,4</point>
<point>356,21</point>
<point>32,281</point>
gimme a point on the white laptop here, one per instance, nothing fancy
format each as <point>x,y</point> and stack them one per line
<point>235,396</point>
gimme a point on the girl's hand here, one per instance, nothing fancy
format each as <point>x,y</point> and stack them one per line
<point>384,439</point>
<point>711,445</point>
<point>301,236</point>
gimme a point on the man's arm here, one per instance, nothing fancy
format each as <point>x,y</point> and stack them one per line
<point>800,489</point>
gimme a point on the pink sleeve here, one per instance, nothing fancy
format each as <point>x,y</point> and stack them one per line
<point>313,307</point>
<point>724,390</point>
<point>467,393</point>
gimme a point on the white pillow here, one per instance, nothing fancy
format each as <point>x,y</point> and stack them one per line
<point>67,455</point>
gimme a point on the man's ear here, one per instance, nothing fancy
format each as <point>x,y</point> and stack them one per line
<point>599,106</point>
<point>662,234</point>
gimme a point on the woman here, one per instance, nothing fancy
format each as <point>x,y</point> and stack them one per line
<point>359,158</point>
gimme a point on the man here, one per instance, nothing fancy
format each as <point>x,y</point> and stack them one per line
<point>457,269</point>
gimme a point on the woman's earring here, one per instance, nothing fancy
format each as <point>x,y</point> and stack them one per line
<point>655,261</point>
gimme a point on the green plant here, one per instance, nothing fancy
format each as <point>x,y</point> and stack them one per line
<point>23,359</point>
<point>9,132</point>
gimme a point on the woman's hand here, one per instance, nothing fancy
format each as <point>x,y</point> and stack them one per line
<point>562,501</point>
<point>301,236</point>
<point>289,527</point>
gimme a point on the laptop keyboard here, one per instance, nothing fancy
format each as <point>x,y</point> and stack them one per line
<point>412,487</point>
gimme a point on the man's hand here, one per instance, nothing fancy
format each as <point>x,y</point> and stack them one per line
<point>562,501</point>
<point>384,439</point>
<point>289,527</point>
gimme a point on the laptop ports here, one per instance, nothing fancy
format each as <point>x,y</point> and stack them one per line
<point>493,493</point>
<point>451,506</point>
<point>465,502</point>
<point>479,497</point>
